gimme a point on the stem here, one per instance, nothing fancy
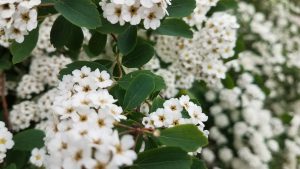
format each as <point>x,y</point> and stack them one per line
<point>124,126</point>
<point>119,66</point>
<point>4,101</point>
<point>114,37</point>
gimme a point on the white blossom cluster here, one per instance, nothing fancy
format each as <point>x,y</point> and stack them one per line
<point>176,112</point>
<point>243,134</point>
<point>17,18</point>
<point>292,144</point>
<point>199,14</point>
<point>43,72</point>
<point>44,46</point>
<point>23,114</point>
<point>150,12</point>
<point>277,47</point>
<point>200,58</point>
<point>84,136</point>
<point>6,141</point>
<point>39,112</point>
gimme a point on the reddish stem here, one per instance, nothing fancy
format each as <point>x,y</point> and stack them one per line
<point>4,101</point>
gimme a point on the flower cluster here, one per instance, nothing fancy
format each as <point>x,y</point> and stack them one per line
<point>176,112</point>
<point>22,114</point>
<point>151,12</point>
<point>85,136</point>
<point>16,19</point>
<point>6,141</point>
<point>200,58</point>
<point>199,14</point>
<point>239,114</point>
<point>43,71</point>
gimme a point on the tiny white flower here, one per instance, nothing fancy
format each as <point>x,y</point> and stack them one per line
<point>37,157</point>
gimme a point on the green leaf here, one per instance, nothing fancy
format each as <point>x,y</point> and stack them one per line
<point>82,13</point>
<point>97,43</point>
<point>198,164</point>
<point>223,5</point>
<point>5,61</point>
<point>127,40</point>
<point>158,80</point>
<point>228,82</point>
<point>174,27</point>
<point>139,89</point>
<point>64,33</point>
<point>107,63</point>
<point>11,166</point>
<point>188,137</point>
<point>142,53</point>
<point>163,158</point>
<point>118,93</point>
<point>157,103</point>
<point>181,8</point>
<point>78,65</point>
<point>29,139</point>
<point>21,51</point>
<point>107,27</point>
<point>20,161</point>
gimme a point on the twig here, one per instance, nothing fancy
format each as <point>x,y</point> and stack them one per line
<point>4,101</point>
<point>114,37</point>
<point>119,66</point>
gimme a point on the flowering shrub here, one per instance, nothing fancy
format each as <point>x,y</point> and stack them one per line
<point>149,84</point>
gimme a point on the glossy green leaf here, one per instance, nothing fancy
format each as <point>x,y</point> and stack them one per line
<point>181,8</point>
<point>174,27</point>
<point>142,53</point>
<point>157,103</point>
<point>29,139</point>
<point>158,80</point>
<point>97,43</point>
<point>188,137</point>
<point>127,40</point>
<point>107,27</point>
<point>21,51</point>
<point>11,166</point>
<point>21,161</point>
<point>82,13</point>
<point>163,158</point>
<point>198,164</point>
<point>139,89</point>
<point>64,33</point>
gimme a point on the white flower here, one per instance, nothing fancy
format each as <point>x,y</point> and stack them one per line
<point>101,98</point>
<point>161,118</point>
<point>152,17</point>
<point>122,153</point>
<point>30,3</point>
<point>132,14</point>
<point>7,10</point>
<point>173,106</point>
<point>26,19</point>
<point>37,157</point>
<point>113,13</point>
<point>102,78</point>
<point>78,156</point>
<point>6,141</point>
<point>17,34</point>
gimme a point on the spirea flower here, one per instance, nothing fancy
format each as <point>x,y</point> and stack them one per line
<point>85,136</point>
<point>150,12</point>
<point>17,19</point>
<point>6,141</point>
